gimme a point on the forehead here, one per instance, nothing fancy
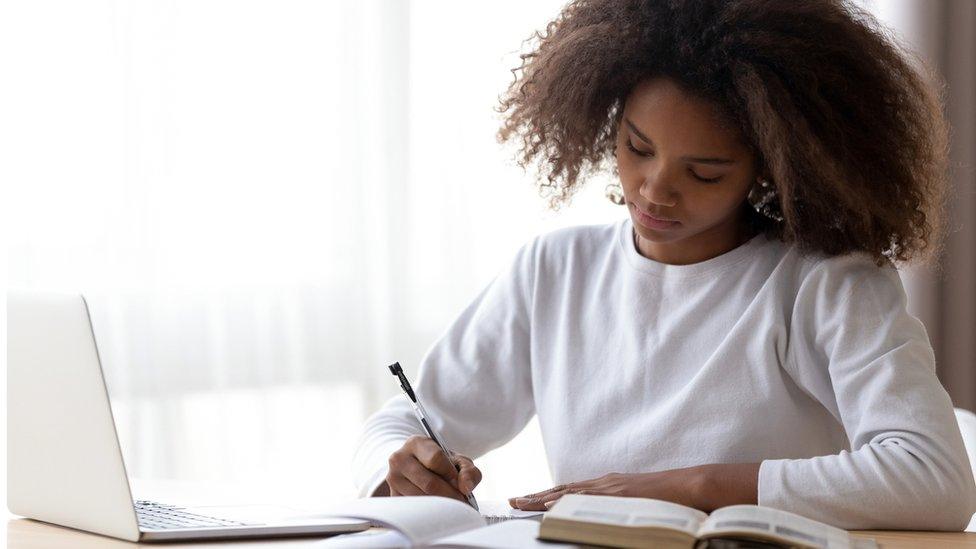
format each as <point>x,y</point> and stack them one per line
<point>672,117</point>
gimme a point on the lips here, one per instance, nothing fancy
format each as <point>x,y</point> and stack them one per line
<point>654,216</point>
<point>657,217</point>
<point>651,221</point>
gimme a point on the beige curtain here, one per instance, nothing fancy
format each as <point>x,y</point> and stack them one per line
<point>944,298</point>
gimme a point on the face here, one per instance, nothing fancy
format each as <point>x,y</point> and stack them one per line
<point>685,176</point>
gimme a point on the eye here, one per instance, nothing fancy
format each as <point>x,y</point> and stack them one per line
<point>635,151</point>
<point>705,179</point>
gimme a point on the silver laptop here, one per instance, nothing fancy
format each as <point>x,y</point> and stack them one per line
<point>64,464</point>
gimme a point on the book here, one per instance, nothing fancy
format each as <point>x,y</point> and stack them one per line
<point>644,522</point>
<point>432,521</point>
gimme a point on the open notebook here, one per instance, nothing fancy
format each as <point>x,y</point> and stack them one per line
<point>431,521</point>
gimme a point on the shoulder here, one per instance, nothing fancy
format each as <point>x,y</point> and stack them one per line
<point>845,293</point>
<point>574,247</point>
<point>839,279</point>
<point>579,236</point>
<point>562,249</point>
<point>849,304</point>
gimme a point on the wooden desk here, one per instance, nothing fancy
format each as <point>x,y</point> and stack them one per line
<point>29,534</point>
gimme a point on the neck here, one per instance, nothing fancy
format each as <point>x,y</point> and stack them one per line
<point>700,247</point>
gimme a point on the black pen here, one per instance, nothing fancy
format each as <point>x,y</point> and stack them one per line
<point>422,416</point>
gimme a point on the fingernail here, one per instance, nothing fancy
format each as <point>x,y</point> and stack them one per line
<point>521,501</point>
<point>549,504</point>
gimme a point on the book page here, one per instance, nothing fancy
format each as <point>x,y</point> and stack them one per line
<point>767,522</point>
<point>620,511</point>
<point>421,519</point>
<point>511,533</point>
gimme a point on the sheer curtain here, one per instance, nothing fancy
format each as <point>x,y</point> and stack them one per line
<point>266,203</point>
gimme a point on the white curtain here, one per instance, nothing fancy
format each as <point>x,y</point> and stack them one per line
<point>267,203</point>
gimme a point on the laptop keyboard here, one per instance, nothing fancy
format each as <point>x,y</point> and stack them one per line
<point>159,516</point>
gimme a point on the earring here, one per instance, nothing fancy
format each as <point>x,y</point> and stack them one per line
<point>763,199</point>
<point>615,194</point>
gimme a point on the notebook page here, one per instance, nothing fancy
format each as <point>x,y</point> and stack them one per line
<point>508,534</point>
<point>494,510</point>
<point>374,538</point>
<point>621,511</point>
<point>421,519</point>
<point>766,520</point>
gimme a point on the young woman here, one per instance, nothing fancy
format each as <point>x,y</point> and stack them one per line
<point>741,335</point>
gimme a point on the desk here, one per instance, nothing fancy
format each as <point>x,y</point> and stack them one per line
<point>29,534</point>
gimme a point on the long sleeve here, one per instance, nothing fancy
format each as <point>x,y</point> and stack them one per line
<point>475,381</point>
<point>856,349</point>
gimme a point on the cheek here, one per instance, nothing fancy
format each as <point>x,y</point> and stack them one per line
<point>630,177</point>
<point>705,201</point>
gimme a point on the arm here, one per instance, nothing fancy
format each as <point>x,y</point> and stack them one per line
<point>723,484</point>
<point>855,348</point>
<point>475,381</point>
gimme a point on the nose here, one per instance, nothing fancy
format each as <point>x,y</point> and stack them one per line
<point>658,191</point>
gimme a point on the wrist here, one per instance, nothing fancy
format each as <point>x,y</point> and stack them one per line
<point>383,490</point>
<point>721,484</point>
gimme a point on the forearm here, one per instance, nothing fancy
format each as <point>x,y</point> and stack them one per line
<point>897,482</point>
<point>722,484</point>
<point>705,487</point>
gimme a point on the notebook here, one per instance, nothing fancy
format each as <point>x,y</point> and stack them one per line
<point>432,521</point>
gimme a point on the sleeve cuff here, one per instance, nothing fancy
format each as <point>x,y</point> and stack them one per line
<point>371,472</point>
<point>769,492</point>
<point>374,482</point>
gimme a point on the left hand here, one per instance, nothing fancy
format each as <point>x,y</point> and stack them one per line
<point>677,485</point>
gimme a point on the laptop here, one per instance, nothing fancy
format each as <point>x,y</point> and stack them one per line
<point>64,463</point>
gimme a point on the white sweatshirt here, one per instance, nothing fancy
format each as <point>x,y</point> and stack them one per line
<point>806,363</point>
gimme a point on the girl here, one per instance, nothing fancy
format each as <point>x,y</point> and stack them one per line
<point>741,335</point>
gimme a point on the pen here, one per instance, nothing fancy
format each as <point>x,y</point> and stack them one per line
<point>422,416</point>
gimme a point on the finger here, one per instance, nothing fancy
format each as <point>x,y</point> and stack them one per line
<point>469,476</point>
<point>427,481</point>
<point>402,486</point>
<point>554,489</point>
<point>539,503</point>
<point>430,455</point>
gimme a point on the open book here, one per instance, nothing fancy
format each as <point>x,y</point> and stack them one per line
<point>643,522</point>
<point>432,521</point>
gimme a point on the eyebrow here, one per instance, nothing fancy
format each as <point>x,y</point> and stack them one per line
<point>696,159</point>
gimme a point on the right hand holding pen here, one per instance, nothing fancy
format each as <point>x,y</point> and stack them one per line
<point>420,468</point>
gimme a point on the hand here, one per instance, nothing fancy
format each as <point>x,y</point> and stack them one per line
<point>420,468</point>
<point>705,487</point>
<point>677,485</point>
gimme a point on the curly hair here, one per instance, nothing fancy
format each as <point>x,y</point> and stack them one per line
<point>847,121</point>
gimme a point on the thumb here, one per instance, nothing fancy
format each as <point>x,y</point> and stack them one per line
<point>468,475</point>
